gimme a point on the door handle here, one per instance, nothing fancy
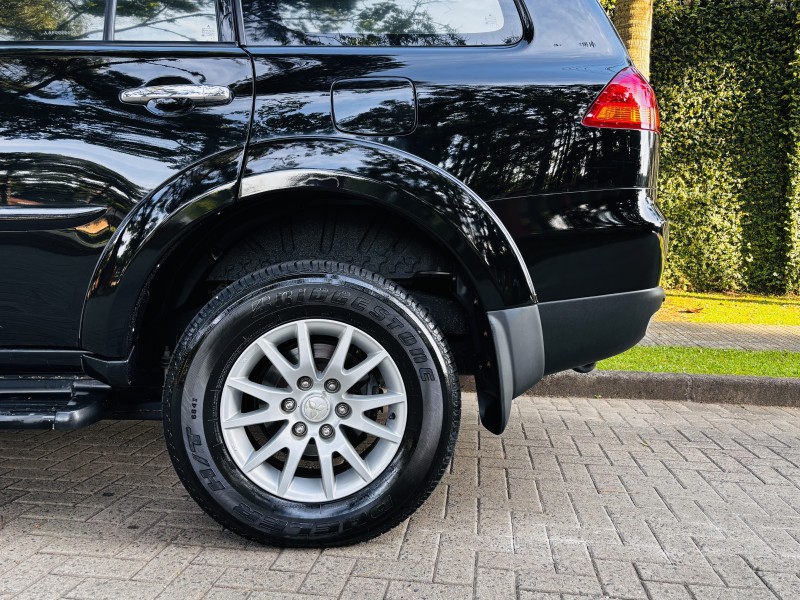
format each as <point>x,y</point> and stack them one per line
<point>200,95</point>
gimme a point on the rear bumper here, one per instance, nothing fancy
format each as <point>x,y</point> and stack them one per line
<point>585,330</point>
<point>533,341</point>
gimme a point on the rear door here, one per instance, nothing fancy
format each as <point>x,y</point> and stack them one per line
<point>101,102</point>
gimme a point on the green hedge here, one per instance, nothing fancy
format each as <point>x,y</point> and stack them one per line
<point>730,163</point>
<point>793,104</point>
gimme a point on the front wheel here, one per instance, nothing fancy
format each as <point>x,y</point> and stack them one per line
<point>311,404</point>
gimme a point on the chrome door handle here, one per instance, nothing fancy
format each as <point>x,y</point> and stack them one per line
<point>200,95</point>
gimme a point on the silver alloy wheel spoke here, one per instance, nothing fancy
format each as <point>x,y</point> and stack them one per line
<point>287,370</point>
<point>270,441</point>
<point>350,377</point>
<point>361,404</point>
<point>349,453</point>
<point>290,467</point>
<point>275,445</point>
<point>367,425</point>
<point>326,474</point>
<point>305,353</point>
<point>262,392</point>
<point>336,363</point>
<point>254,417</point>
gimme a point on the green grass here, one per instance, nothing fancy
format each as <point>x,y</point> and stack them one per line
<point>705,361</point>
<point>687,307</point>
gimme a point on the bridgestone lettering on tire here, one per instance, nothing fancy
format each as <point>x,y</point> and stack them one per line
<point>311,404</point>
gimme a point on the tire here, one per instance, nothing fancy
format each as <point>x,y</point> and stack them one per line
<point>361,237</point>
<point>332,466</point>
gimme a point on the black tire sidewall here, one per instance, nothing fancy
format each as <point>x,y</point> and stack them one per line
<point>222,332</point>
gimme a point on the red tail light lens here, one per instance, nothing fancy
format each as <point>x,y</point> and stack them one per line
<point>628,102</point>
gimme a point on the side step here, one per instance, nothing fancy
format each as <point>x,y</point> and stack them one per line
<point>63,403</point>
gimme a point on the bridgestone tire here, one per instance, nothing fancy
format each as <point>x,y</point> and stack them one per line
<point>260,303</point>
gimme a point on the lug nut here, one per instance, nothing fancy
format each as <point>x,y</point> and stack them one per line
<point>332,386</point>
<point>299,429</point>
<point>288,405</point>
<point>343,410</point>
<point>305,383</point>
<point>326,432</point>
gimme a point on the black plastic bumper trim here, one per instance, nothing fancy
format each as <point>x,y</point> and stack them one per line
<point>586,330</point>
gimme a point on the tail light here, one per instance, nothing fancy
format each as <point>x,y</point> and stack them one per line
<point>628,102</point>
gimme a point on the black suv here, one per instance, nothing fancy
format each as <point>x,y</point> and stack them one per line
<point>286,226</point>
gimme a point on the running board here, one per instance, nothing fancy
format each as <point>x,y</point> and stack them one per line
<point>63,403</point>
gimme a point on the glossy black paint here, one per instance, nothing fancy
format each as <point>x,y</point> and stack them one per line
<point>429,133</point>
<point>68,144</point>
<point>588,243</point>
<point>15,218</point>
<point>29,361</point>
<point>501,138</point>
<point>157,223</point>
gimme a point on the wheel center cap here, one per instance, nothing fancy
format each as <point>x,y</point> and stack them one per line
<point>316,408</point>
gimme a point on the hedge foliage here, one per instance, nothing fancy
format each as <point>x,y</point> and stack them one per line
<point>727,73</point>
<point>793,104</point>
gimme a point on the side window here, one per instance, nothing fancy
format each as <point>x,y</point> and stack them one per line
<point>51,20</point>
<point>83,20</point>
<point>166,21</point>
<point>381,22</point>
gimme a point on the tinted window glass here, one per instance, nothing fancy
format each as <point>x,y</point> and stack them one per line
<point>381,22</point>
<point>166,21</point>
<point>51,20</point>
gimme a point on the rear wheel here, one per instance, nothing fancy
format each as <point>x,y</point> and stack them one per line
<point>311,403</point>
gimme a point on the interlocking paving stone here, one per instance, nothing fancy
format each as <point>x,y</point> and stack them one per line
<point>580,498</point>
<point>724,336</point>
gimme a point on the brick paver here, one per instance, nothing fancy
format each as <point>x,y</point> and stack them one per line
<point>579,498</point>
<point>724,336</point>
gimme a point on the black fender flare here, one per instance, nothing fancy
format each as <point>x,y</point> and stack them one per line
<point>425,194</point>
<point>148,233</point>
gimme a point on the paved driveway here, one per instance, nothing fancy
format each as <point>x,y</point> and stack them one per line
<point>593,498</point>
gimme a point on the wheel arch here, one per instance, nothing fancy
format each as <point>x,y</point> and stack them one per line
<point>186,213</point>
<point>435,201</point>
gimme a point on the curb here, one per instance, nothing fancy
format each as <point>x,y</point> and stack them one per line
<point>723,389</point>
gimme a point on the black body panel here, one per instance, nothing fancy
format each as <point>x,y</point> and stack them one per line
<point>588,243</point>
<point>505,121</point>
<point>497,119</point>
